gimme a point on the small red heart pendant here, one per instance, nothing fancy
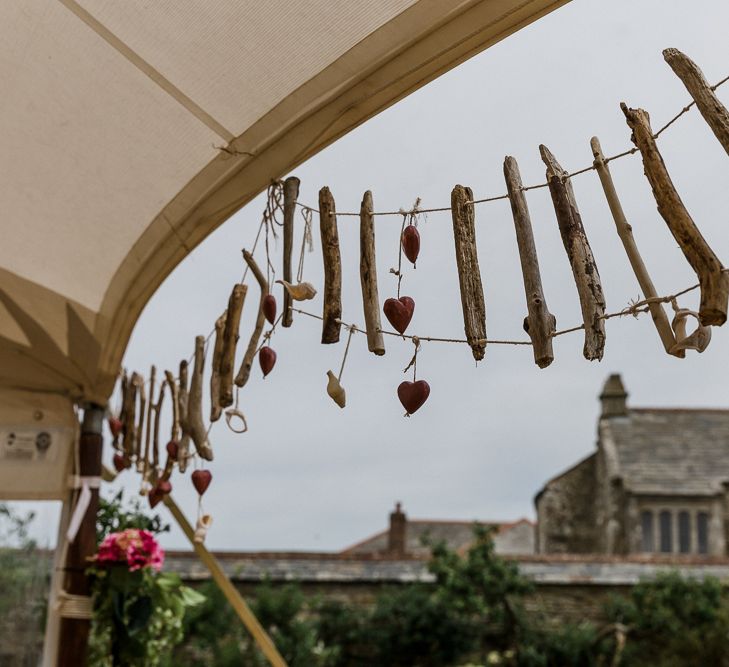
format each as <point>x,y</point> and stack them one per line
<point>154,496</point>
<point>115,426</point>
<point>411,243</point>
<point>412,395</point>
<point>399,312</point>
<point>173,449</point>
<point>201,480</point>
<point>269,307</point>
<point>119,462</point>
<point>267,359</point>
<point>164,487</point>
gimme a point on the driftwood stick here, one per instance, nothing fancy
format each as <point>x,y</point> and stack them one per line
<point>625,232</point>
<point>244,372</point>
<point>714,112</point>
<point>183,398</point>
<point>469,274</point>
<point>291,194</point>
<point>142,395</point>
<point>230,341</point>
<point>129,410</point>
<point>540,324</point>
<point>712,279</point>
<point>215,409</point>
<point>157,410</point>
<point>150,422</point>
<point>194,403</point>
<point>579,253</point>
<point>175,395</point>
<point>368,276</point>
<point>119,438</point>
<point>332,268</point>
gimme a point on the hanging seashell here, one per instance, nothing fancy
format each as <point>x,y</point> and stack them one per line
<point>300,291</point>
<point>412,395</point>
<point>410,241</point>
<point>698,340</point>
<point>268,305</point>
<point>399,312</point>
<point>335,390</point>
<point>267,359</point>
<point>201,480</point>
<point>119,462</point>
<point>202,527</point>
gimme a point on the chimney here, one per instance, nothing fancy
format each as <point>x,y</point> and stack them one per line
<point>614,397</point>
<point>396,537</point>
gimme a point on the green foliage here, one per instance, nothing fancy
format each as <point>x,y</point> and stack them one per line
<point>113,516</point>
<point>675,622</point>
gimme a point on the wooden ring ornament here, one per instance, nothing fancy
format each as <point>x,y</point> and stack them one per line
<point>232,414</point>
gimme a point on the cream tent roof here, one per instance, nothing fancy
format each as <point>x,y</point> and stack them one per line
<point>130,130</point>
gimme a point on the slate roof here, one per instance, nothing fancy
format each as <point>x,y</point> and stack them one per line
<point>672,451</point>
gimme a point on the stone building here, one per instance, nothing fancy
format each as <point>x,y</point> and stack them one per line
<point>658,483</point>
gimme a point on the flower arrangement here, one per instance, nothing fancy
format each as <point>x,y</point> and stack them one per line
<point>138,610</point>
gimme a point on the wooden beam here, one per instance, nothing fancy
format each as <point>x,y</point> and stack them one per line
<point>291,194</point>
<point>540,324</point>
<point>332,313</point>
<point>469,274</point>
<point>368,276</point>
<point>579,253</point>
<point>709,269</point>
<point>241,608</point>
<point>714,112</point>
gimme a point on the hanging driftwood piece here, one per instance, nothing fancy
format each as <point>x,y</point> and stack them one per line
<point>469,274</point>
<point>150,423</point>
<point>712,279</point>
<point>230,340</point>
<point>215,410</point>
<point>130,429</point>
<point>245,368</point>
<point>194,420</point>
<point>368,276</point>
<point>142,395</point>
<point>157,410</point>
<point>183,398</point>
<point>714,112</point>
<point>625,232</point>
<point>291,194</point>
<point>579,253</point>
<point>173,445</point>
<point>332,268</point>
<point>540,324</point>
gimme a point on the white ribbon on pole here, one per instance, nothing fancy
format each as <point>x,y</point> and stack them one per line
<point>82,504</point>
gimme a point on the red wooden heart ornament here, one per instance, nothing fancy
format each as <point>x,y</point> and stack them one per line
<point>119,462</point>
<point>411,243</point>
<point>164,487</point>
<point>269,307</point>
<point>115,426</point>
<point>201,480</point>
<point>173,449</point>
<point>399,312</point>
<point>412,395</point>
<point>154,497</point>
<point>267,359</point>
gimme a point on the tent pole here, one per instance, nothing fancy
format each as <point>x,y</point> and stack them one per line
<point>73,633</point>
<point>261,637</point>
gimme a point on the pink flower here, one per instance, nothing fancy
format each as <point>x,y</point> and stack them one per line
<point>136,548</point>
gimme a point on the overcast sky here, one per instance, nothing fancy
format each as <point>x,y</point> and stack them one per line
<point>308,475</point>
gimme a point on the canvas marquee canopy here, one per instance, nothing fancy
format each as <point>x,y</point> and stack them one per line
<point>130,130</point>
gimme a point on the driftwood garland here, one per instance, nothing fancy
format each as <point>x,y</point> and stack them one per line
<point>469,274</point>
<point>332,314</point>
<point>215,410</point>
<point>183,398</point>
<point>625,232</point>
<point>579,253</point>
<point>714,112</point>
<point>368,276</point>
<point>709,269</point>
<point>291,194</point>
<point>230,340</point>
<point>540,324</point>
<point>245,368</point>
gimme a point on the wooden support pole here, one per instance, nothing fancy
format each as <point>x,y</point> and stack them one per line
<point>714,112</point>
<point>215,409</point>
<point>625,232</point>
<point>332,314</point>
<point>368,276</point>
<point>183,398</point>
<point>74,632</point>
<point>579,253</point>
<point>230,340</point>
<point>469,274</point>
<point>709,269</point>
<point>194,421</point>
<point>540,324</point>
<point>259,634</point>
<point>291,194</point>
<point>244,372</point>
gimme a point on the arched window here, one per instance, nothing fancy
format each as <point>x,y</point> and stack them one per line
<point>646,526</point>
<point>702,532</point>
<point>684,532</point>
<point>666,537</point>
